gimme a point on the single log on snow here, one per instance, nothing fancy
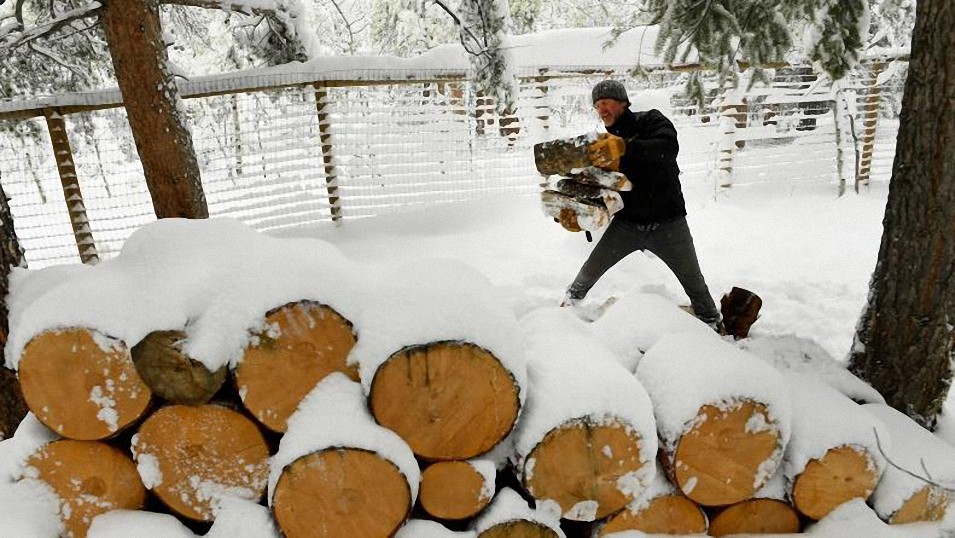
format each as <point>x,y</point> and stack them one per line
<point>90,478</point>
<point>303,342</point>
<point>189,456</point>
<point>510,517</point>
<point>661,510</point>
<point>173,375</point>
<point>899,496</point>
<point>843,473</point>
<point>447,400</point>
<point>564,156</point>
<point>755,516</point>
<point>723,416</point>
<point>337,473</point>
<point>82,384</point>
<point>588,439</point>
<point>455,490</point>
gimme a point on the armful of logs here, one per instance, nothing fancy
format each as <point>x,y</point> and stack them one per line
<point>586,192</point>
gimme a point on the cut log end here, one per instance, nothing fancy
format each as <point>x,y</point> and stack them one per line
<point>90,478</point>
<point>590,470</point>
<point>341,492</point>
<point>842,474</point>
<point>756,516</point>
<point>453,490</point>
<point>82,384</point>
<point>447,400</point>
<point>303,343</point>
<point>171,374</point>
<point>668,514</point>
<point>520,528</point>
<point>719,460</point>
<point>196,454</point>
<point>927,504</point>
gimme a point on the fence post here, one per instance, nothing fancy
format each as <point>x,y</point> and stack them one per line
<point>63,154</point>
<point>870,119</point>
<point>331,179</point>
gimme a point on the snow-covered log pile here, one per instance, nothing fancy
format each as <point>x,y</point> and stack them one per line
<point>173,390</point>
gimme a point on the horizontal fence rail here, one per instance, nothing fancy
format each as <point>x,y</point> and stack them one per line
<point>278,152</point>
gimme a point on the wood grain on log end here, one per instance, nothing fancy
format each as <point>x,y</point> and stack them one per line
<point>756,516</point>
<point>453,490</point>
<point>588,468</point>
<point>199,453</point>
<point>341,492</point>
<point>668,514</point>
<point>721,459</point>
<point>82,384</point>
<point>447,400</point>
<point>842,474</point>
<point>927,504</point>
<point>303,343</point>
<point>90,478</point>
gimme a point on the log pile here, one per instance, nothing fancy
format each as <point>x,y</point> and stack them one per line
<point>585,191</point>
<point>336,427</point>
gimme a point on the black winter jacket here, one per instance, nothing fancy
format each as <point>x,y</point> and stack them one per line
<point>650,164</point>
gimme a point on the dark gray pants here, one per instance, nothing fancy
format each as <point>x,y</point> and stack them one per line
<point>670,241</point>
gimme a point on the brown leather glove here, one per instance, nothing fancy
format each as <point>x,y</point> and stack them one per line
<point>606,151</point>
<point>568,219</point>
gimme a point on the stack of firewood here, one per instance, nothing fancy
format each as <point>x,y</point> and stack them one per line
<point>581,189</point>
<point>353,427</point>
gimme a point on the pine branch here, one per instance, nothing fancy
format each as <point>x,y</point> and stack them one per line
<point>8,42</point>
<point>245,7</point>
<point>464,29</point>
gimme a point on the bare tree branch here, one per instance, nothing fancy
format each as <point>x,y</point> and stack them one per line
<point>929,481</point>
<point>9,42</point>
<point>464,30</point>
<point>246,7</point>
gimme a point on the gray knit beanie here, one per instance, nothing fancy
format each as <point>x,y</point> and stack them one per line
<point>609,89</point>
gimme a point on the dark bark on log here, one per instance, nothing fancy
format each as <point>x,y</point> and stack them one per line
<point>904,341</point>
<point>134,35</point>
<point>12,406</point>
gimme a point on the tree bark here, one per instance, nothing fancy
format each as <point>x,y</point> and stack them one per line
<point>134,36</point>
<point>904,339</point>
<point>12,406</point>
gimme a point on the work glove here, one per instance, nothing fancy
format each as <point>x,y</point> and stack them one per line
<point>606,151</point>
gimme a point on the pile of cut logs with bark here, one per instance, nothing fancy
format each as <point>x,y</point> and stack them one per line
<point>151,417</point>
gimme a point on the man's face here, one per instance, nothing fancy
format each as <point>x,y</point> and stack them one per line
<point>609,110</point>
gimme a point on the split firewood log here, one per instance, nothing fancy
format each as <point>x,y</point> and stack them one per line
<point>510,517</point>
<point>565,155</point>
<point>590,213</point>
<point>455,490</point>
<point>660,510</point>
<point>598,177</point>
<point>191,456</point>
<point>899,496</point>
<point>740,309</point>
<point>82,384</point>
<point>173,375</point>
<point>337,473</point>
<point>767,512</point>
<point>723,416</point>
<point>588,440</point>
<point>303,342</point>
<point>833,456</point>
<point>90,478</point>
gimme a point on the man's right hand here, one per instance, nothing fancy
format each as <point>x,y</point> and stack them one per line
<point>606,151</point>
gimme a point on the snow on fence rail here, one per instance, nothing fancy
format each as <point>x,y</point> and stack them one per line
<point>280,149</point>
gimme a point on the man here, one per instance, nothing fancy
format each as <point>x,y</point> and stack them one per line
<point>654,214</point>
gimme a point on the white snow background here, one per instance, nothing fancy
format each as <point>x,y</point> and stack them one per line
<point>808,254</point>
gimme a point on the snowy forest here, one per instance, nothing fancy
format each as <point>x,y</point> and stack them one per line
<point>298,268</point>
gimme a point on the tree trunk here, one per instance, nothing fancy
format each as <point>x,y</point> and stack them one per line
<point>671,513</point>
<point>904,340</point>
<point>756,516</point>
<point>12,406</point>
<point>134,35</point>
<point>842,474</point>
<point>454,490</point>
